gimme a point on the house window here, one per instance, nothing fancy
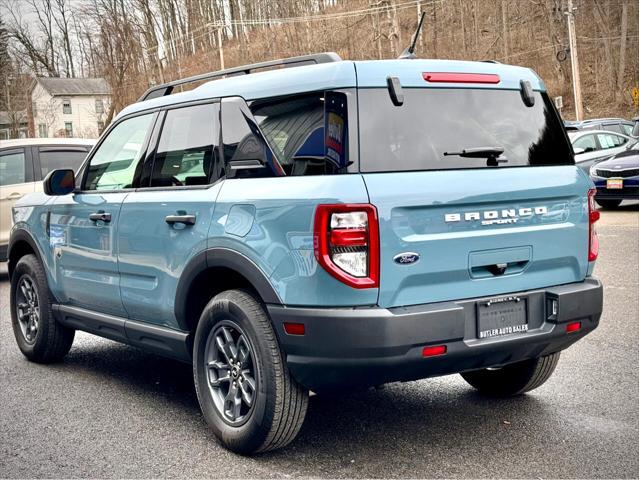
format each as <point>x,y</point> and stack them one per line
<point>99,105</point>
<point>43,131</point>
<point>68,129</point>
<point>66,106</point>
<point>100,127</point>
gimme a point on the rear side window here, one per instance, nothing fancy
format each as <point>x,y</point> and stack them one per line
<point>627,128</point>
<point>54,159</point>
<point>587,143</point>
<point>12,168</point>
<point>308,133</point>
<point>610,140</point>
<point>435,123</point>
<point>187,152</point>
<point>246,152</point>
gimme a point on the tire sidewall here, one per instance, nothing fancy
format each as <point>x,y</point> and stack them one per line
<point>29,265</point>
<point>250,435</point>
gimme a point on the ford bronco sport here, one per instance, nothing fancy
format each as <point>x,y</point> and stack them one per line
<point>319,224</point>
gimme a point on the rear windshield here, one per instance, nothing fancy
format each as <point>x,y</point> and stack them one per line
<point>435,121</point>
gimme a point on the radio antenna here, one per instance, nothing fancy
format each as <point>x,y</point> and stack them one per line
<point>409,53</point>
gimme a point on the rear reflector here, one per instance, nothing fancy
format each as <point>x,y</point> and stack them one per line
<point>573,327</point>
<point>444,77</point>
<point>355,237</point>
<point>434,350</point>
<point>294,328</point>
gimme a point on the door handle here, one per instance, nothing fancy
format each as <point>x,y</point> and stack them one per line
<point>100,217</point>
<point>185,219</point>
<point>14,196</point>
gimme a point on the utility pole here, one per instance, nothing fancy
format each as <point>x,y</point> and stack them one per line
<point>574,61</point>
<point>219,45</point>
<point>504,29</point>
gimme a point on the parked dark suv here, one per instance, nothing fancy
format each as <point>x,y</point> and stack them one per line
<point>618,125</point>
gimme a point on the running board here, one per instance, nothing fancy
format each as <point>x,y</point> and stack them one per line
<point>152,338</point>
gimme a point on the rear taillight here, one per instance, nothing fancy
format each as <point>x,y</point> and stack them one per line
<point>593,216</point>
<point>346,240</point>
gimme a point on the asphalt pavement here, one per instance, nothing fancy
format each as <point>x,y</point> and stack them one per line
<point>110,410</point>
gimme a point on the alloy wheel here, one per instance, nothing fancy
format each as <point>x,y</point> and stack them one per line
<point>28,308</point>
<point>231,372</point>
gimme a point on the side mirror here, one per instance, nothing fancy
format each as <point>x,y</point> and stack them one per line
<point>59,182</point>
<point>578,150</point>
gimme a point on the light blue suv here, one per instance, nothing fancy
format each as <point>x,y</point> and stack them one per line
<point>319,224</point>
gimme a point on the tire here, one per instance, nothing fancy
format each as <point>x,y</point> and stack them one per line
<point>608,203</point>
<point>514,379</point>
<point>39,336</point>
<point>277,402</point>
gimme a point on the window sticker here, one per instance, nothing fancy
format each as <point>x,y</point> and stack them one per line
<point>336,128</point>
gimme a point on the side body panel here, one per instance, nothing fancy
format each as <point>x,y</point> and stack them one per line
<point>32,219</point>
<point>441,216</point>
<point>270,221</point>
<point>152,254</point>
<point>84,252</point>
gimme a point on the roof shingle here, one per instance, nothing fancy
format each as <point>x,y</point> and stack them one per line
<point>74,86</point>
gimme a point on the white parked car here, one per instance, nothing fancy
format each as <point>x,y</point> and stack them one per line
<point>23,165</point>
<point>594,146</point>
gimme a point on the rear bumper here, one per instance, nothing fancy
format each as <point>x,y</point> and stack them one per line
<point>630,192</point>
<point>370,346</point>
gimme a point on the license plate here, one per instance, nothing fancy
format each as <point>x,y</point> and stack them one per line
<point>614,183</point>
<point>501,316</point>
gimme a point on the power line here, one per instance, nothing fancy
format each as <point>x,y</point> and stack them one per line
<point>291,20</point>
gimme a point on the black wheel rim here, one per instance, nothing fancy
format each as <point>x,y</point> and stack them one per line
<point>28,308</point>
<point>231,372</point>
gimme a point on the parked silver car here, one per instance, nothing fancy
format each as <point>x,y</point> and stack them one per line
<point>593,146</point>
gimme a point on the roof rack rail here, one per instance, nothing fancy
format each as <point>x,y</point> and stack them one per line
<point>490,61</point>
<point>167,88</point>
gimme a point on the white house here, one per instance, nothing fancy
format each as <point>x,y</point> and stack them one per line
<point>13,124</point>
<point>69,107</point>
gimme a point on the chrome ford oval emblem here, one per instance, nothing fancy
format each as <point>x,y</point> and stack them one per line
<point>406,258</point>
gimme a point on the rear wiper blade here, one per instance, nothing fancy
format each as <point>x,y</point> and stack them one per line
<point>491,154</point>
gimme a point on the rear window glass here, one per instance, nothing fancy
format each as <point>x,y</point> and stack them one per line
<point>435,121</point>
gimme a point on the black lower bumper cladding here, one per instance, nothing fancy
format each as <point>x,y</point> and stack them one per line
<point>370,346</point>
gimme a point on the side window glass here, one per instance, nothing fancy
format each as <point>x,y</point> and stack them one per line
<point>609,141</point>
<point>619,140</point>
<point>613,127</point>
<point>187,152</point>
<point>55,159</point>
<point>627,129</point>
<point>246,153</point>
<point>308,132</point>
<point>118,159</point>
<point>12,168</point>
<point>587,142</point>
